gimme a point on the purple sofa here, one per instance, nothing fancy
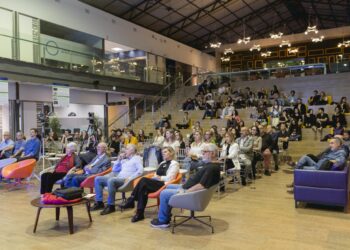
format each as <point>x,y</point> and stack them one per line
<point>321,187</point>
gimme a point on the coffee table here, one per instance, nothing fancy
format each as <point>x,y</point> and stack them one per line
<point>37,203</point>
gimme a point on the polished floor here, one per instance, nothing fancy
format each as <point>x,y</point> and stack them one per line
<point>260,216</point>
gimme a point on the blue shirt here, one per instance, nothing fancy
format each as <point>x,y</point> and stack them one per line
<point>4,144</point>
<point>129,168</point>
<point>19,144</point>
<point>32,147</point>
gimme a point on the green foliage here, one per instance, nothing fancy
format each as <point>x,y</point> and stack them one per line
<point>55,125</point>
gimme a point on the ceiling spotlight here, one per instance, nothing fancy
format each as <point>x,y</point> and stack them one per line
<point>255,47</point>
<point>215,45</point>
<point>293,50</point>
<point>117,49</point>
<point>225,59</point>
<point>285,43</point>
<point>276,35</point>
<point>228,51</point>
<point>265,54</point>
<point>344,44</point>
<point>245,40</point>
<point>317,39</point>
<point>311,29</point>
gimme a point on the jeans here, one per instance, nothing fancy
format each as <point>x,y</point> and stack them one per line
<point>164,214</point>
<point>110,180</point>
<point>74,180</point>
<point>306,162</point>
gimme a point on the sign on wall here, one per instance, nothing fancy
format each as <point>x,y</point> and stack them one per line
<point>60,95</point>
<point>4,91</point>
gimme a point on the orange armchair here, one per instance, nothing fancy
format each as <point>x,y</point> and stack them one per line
<point>90,181</point>
<point>19,170</point>
<point>155,195</point>
<point>137,180</point>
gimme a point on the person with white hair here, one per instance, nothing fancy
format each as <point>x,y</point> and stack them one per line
<point>97,165</point>
<point>127,167</point>
<point>207,176</point>
<point>67,162</point>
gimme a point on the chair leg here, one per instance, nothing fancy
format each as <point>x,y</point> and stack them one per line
<point>190,217</point>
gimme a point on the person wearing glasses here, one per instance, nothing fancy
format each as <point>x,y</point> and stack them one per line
<point>207,176</point>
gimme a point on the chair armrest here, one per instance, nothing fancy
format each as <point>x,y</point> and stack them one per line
<point>47,170</point>
<point>128,186</point>
<point>137,179</point>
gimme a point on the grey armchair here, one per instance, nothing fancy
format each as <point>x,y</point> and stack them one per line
<point>193,201</point>
<point>127,187</point>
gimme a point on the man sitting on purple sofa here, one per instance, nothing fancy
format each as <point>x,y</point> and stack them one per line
<point>337,153</point>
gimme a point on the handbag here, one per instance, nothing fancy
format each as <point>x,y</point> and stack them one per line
<point>69,193</point>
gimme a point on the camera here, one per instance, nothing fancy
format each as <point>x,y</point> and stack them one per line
<point>91,118</point>
<point>43,119</point>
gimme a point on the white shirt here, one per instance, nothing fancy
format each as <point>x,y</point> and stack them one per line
<point>175,144</point>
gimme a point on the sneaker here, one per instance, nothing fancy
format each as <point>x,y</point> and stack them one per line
<point>97,206</point>
<point>290,191</point>
<point>108,210</point>
<point>157,224</point>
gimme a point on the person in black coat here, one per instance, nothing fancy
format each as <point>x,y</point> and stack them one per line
<point>266,148</point>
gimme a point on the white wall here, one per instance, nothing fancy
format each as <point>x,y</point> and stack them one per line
<point>6,28</point>
<point>29,117</point>
<point>73,14</point>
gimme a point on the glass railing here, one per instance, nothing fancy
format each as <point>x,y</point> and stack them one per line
<point>268,73</point>
<point>94,61</point>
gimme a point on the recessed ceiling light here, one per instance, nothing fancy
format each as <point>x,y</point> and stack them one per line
<point>117,49</point>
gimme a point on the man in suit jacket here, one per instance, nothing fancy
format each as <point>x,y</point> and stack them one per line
<point>245,143</point>
<point>98,164</point>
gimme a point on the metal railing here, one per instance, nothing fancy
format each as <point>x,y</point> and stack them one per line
<point>267,73</point>
<point>168,97</point>
<point>93,61</point>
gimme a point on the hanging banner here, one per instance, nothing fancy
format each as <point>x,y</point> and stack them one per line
<point>4,91</point>
<point>60,95</point>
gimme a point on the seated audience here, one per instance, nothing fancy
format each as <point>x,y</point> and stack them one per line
<point>266,148</point>
<point>257,156</point>
<point>338,116</point>
<point>194,155</point>
<point>206,177</point>
<point>314,100</point>
<point>180,139</point>
<point>170,141</point>
<point>337,130</point>
<point>114,145</point>
<point>19,145</point>
<point>189,104</point>
<point>310,119</point>
<point>292,99</point>
<point>300,106</point>
<point>6,146</point>
<point>245,143</point>
<point>31,148</point>
<point>159,138</point>
<point>322,121</point>
<point>323,99</point>
<point>130,138</point>
<point>335,155</point>
<point>166,172</point>
<point>67,162</point>
<point>126,168</point>
<point>227,111</point>
<point>344,106</point>
<point>186,122</point>
<point>100,163</point>
<point>141,137</point>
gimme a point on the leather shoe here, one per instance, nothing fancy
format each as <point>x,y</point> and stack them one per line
<point>97,206</point>
<point>109,209</point>
<point>137,217</point>
<point>130,203</point>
